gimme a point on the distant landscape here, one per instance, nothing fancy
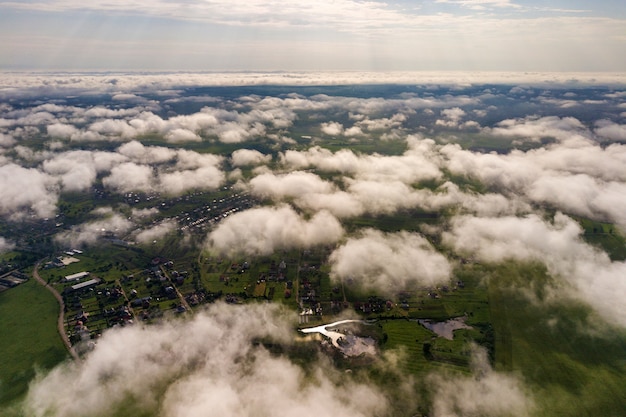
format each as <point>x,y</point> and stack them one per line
<point>464,243</point>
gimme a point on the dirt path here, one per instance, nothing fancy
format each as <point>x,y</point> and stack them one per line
<point>61,320</point>
<point>178,293</point>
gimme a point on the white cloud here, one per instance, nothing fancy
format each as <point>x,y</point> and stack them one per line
<point>481,4</point>
<point>339,203</point>
<point>451,117</point>
<point>418,163</point>
<point>186,159</point>
<point>29,84</point>
<point>89,233</point>
<point>182,135</point>
<point>129,176</point>
<point>114,128</point>
<point>535,128</point>
<point>152,169</point>
<point>607,129</point>
<point>209,362</point>
<point>177,182</point>
<point>156,232</point>
<point>389,263</point>
<point>293,184</point>
<point>332,128</point>
<point>582,195</point>
<point>262,231</point>
<point>247,157</point>
<point>394,121</point>
<point>6,140</point>
<point>140,153</point>
<point>6,245</point>
<point>484,393</point>
<point>383,197</point>
<point>76,170</point>
<point>575,175</point>
<point>590,272</point>
<point>144,213</point>
<point>61,130</point>
<point>27,189</point>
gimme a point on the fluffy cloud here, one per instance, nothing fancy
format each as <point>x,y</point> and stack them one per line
<point>332,128</point>
<point>293,184</point>
<point>383,197</point>
<point>337,129</point>
<point>576,175</point>
<point>62,130</point>
<point>247,157</point>
<point>308,191</point>
<point>152,170</point>
<point>34,84</point>
<point>418,163</point>
<point>144,213</point>
<point>207,362</point>
<point>388,197</point>
<point>27,189</point>
<point>484,393</point>
<point>112,224</point>
<point>583,195</point>
<point>76,170</point>
<point>6,245</point>
<point>389,262</point>
<point>156,232</point>
<point>129,176</point>
<point>385,123</point>
<point>451,117</point>
<point>534,128</point>
<point>606,129</point>
<point>177,182</point>
<point>193,160</point>
<point>182,135</point>
<point>340,203</point>
<point>140,153</point>
<point>6,140</point>
<point>262,231</point>
<point>590,272</point>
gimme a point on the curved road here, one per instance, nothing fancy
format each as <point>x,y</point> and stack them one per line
<point>61,320</point>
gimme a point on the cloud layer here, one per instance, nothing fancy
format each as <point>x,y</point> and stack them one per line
<point>208,362</point>
<point>558,245</point>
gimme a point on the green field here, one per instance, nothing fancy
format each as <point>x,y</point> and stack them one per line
<point>29,341</point>
<point>574,364</point>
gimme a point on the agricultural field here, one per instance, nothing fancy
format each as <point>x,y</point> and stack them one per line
<point>29,342</point>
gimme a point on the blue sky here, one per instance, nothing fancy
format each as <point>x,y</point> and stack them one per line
<point>231,35</point>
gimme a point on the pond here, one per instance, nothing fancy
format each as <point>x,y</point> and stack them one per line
<point>446,328</point>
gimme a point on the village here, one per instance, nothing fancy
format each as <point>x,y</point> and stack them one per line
<point>121,283</point>
<point>96,298</point>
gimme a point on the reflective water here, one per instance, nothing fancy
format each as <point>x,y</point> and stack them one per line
<point>446,328</point>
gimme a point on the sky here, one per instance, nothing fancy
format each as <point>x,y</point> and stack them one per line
<point>303,35</point>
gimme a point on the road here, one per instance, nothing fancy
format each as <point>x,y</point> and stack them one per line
<point>61,320</point>
<point>180,295</point>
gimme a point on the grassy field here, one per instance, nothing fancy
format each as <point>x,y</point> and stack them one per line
<point>574,364</point>
<point>604,236</point>
<point>28,337</point>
